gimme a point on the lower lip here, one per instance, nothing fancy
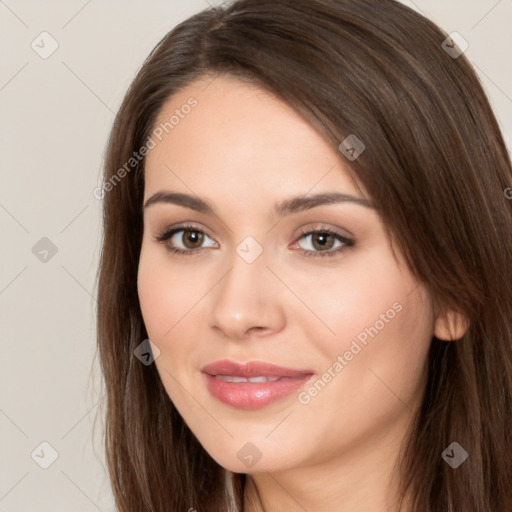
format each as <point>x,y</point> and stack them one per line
<point>253,395</point>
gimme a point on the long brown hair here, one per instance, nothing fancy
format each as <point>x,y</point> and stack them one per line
<point>436,167</point>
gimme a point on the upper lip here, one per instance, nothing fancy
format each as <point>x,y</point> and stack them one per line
<point>251,369</point>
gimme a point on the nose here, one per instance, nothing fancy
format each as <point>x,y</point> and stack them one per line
<point>247,301</point>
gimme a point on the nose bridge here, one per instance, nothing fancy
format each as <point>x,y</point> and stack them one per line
<point>245,298</point>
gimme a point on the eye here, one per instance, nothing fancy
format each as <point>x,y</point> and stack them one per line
<point>188,240</point>
<point>190,237</point>
<point>323,242</point>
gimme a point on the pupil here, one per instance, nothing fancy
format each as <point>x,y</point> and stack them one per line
<point>323,237</point>
<point>194,237</point>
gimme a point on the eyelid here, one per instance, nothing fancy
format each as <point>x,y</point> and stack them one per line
<point>324,228</point>
<point>346,241</point>
<point>168,231</point>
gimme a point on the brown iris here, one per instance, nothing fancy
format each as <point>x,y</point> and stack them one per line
<point>194,237</point>
<point>326,240</point>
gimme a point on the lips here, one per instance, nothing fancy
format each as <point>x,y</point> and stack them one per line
<point>231,378</point>
<point>251,369</point>
<point>252,385</point>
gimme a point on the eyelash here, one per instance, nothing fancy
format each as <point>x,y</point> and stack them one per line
<point>347,242</point>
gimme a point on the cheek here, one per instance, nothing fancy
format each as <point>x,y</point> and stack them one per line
<point>166,292</point>
<point>383,349</point>
<point>361,299</point>
<point>381,324</point>
<point>366,385</point>
<point>167,296</point>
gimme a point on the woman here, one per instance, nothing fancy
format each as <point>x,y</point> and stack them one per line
<point>375,375</point>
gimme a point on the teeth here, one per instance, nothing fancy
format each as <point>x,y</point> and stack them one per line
<point>263,379</point>
<point>255,380</point>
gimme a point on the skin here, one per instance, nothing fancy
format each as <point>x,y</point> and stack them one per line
<point>244,150</point>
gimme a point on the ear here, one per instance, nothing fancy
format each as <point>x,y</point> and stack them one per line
<point>450,325</point>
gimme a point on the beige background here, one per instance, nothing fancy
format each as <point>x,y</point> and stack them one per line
<point>55,117</point>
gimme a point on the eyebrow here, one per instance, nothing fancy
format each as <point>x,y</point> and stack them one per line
<point>287,207</point>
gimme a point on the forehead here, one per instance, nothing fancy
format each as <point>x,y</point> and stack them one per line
<point>223,135</point>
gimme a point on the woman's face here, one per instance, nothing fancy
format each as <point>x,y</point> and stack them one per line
<point>274,277</point>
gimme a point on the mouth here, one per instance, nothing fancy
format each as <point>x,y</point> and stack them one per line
<point>234,378</point>
<point>252,385</point>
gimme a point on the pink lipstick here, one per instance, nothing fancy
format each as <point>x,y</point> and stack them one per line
<point>252,385</point>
